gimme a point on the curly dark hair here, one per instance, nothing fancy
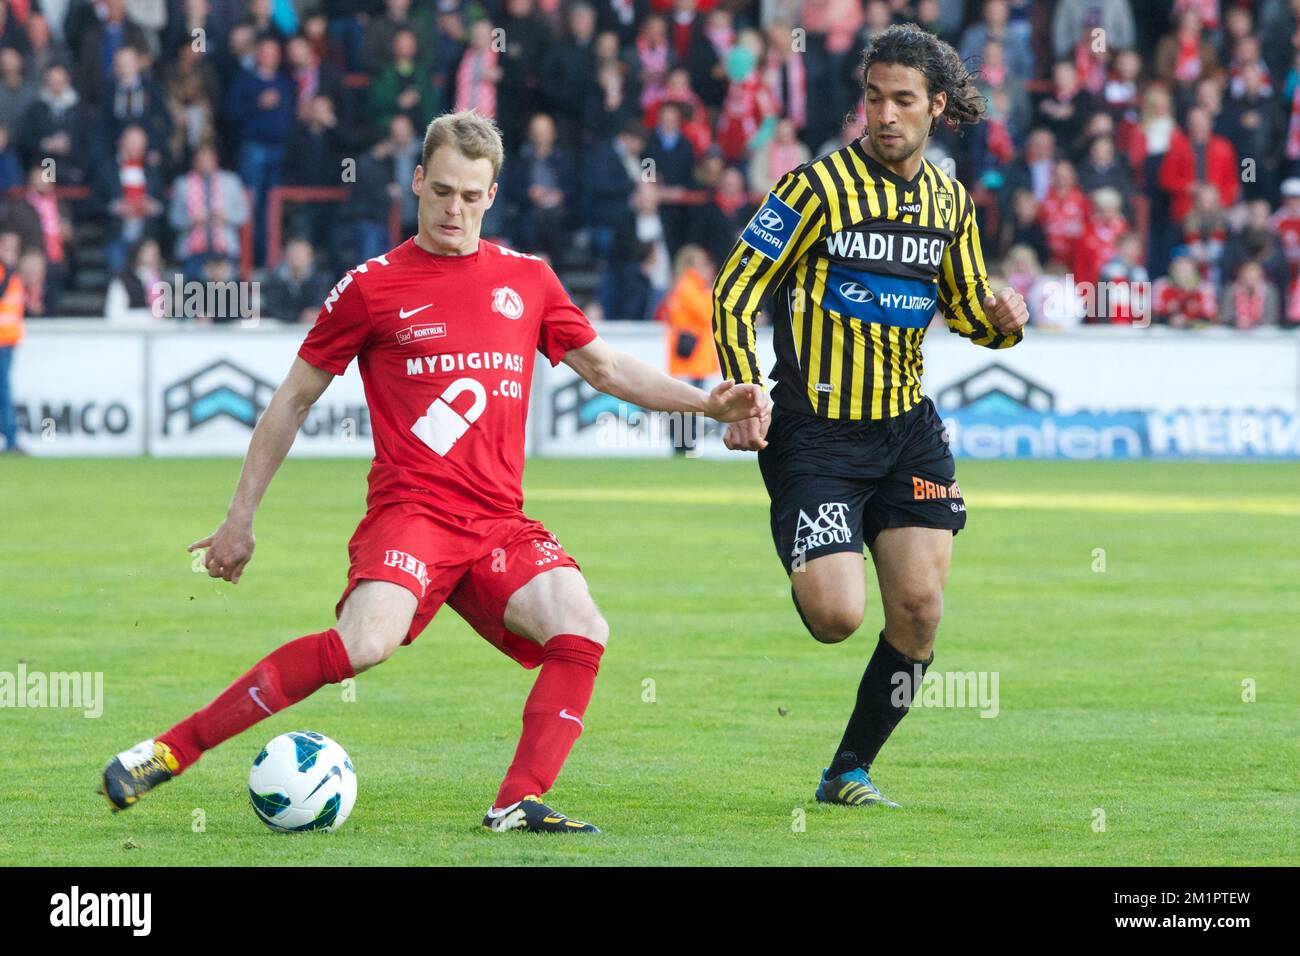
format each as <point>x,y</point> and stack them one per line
<point>945,72</point>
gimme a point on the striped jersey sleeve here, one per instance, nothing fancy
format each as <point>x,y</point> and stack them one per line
<point>963,283</point>
<point>780,232</point>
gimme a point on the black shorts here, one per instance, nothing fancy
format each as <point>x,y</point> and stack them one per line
<point>835,485</point>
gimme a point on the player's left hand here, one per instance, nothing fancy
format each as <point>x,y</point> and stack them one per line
<point>1006,310</point>
<point>729,402</point>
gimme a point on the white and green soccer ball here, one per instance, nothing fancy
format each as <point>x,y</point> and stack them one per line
<point>302,781</point>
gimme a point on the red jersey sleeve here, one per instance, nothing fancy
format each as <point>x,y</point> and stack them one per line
<point>341,331</point>
<point>564,327</point>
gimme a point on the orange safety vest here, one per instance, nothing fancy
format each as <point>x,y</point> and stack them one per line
<point>688,309</point>
<point>11,312</point>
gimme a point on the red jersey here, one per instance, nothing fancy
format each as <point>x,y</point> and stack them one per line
<point>445,347</point>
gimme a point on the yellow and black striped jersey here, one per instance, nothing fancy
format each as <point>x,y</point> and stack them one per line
<point>855,260</point>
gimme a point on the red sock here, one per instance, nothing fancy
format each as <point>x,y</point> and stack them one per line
<point>285,676</point>
<point>552,716</point>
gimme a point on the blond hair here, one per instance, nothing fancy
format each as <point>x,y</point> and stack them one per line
<point>474,135</point>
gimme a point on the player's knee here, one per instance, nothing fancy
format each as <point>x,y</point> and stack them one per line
<point>369,645</point>
<point>593,626</point>
<point>922,610</point>
<point>832,625</point>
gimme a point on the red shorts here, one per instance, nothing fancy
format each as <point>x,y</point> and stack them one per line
<point>472,564</point>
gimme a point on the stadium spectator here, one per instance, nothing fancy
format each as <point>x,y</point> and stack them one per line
<point>11,332</point>
<point>11,168</point>
<point>479,72</point>
<point>103,30</point>
<point>723,217</point>
<point>311,77</point>
<point>192,93</point>
<point>1251,301</point>
<point>639,267</point>
<point>31,269</point>
<point>134,293</point>
<point>1103,229</point>
<point>1065,108</point>
<point>782,153</point>
<point>1252,126</point>
<point>55,126</point>
<point>1022,227</point>
<point>315,158</point>
<point>43,50</point>
<point>687,310</point>
<point>261,105</point>
<point>1063,213</point>
<point>786,74</point>
<point>748,117</point>
<point>46,229</point>
<point>1184,56</point>
<point>134,98</point>
<point>610,174</point>
<point>377,47</point>
<point>692,110</point>
<point>405,86</point>
<point>208,207</point>
<point>669,149</point>
<point>539,182</point>
<point>1104,168</point>
<point>1127,285</point>
<point>621,17</point>
<point>614,102</point>
<point>527,37</point>
<point>1286,223</point>
<point>405,157</point>
<point>129,189</point>
<point>1183,299</point>
<point>567,72</point>
<point>654,59</point>
<point>712,37</point>
<point>1055,299</point>
<point>1255,239</point>
<point>296,289</point>
<point>995,25</point>
<point>17,92</point>
<point>1021,268</point>
<point>371,200</point>
<point>1198,156</point>
<point>1205,233</point>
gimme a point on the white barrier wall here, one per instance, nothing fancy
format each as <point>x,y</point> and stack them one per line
<point>81,389</point>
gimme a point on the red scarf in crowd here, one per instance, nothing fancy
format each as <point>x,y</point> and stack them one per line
<point>47,208</point>
<point>199,203</point>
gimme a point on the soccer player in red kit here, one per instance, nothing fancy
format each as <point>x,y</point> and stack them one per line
<point>444,328</point>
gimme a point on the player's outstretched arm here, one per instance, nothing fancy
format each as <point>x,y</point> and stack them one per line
<point>624,376</point>
<point>230,547</point>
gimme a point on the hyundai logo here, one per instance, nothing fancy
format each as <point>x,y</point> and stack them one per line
<point>770,220</point>
<point>855,292</point>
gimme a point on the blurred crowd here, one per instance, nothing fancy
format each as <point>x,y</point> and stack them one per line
<point>1140,160</point>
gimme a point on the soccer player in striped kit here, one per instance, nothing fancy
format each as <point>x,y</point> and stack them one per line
<point>445,328</point>
<point>857,250</point>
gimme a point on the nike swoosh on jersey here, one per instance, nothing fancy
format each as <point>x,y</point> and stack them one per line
<point>403,314</point>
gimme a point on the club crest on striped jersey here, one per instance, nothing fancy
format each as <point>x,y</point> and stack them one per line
<point>771,228</point>
<point>508,302</point>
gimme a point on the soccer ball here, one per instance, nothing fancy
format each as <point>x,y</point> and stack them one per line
<point>302,781</point>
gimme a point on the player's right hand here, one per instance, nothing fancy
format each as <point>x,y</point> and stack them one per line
<point>230,547</point>
<point>749,434</point>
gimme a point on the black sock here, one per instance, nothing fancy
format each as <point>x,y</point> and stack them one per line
<point>880,706</point>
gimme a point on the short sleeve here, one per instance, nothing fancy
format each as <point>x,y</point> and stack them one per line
<point>563,327</point>
<point>341,331</point>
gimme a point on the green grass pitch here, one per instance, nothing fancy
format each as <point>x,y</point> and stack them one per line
<point>1120,690</point>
